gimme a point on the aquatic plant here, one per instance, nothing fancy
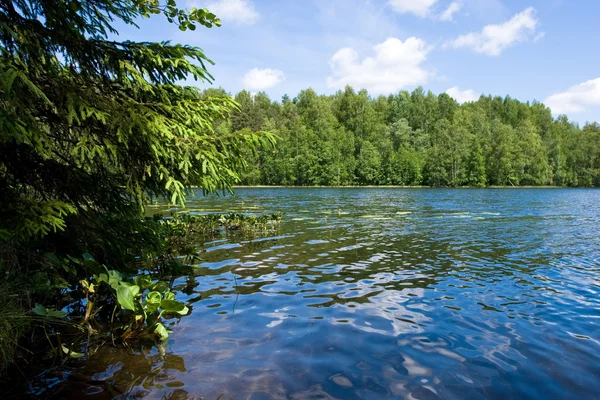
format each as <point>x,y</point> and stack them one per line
<point>137,304</point>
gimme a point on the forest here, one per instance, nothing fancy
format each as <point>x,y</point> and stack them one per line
<point>413,139</point>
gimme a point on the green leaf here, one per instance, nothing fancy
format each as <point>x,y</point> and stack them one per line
<point>49,313</point>
<point>114,278</point>
<point>169,296</point>
<point>135,289</point>
<point>71,353</point>
<point>172,306</point>
<point>143,281</point>
<point>185,311</point>
<point>125,297</point>
<point>153,298</point>
<point>56,314</point>
<point>162,332</point>
<point>40,310</point>
<point>159,286</point>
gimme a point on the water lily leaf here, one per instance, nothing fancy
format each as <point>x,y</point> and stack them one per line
<point>125,297</point>
<point>172,305</point>
<point>162,332</point>
<point>71,353</point>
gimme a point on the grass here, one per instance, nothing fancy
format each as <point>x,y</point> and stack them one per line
<point>13,324</point>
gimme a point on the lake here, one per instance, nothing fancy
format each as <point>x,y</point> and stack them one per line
<point>373,293</point>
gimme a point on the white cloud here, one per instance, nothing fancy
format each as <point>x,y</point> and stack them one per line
<point>579,98</point>
<point>462,96</point>
<point>450,11</point>
<point>493,39</point>
<point>261,79</point>
<point>395,65</point>
<point>420,8</point>
<point>236,11</point>
<point>539,36</point>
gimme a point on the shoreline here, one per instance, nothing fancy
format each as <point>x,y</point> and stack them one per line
<point>404,187</point>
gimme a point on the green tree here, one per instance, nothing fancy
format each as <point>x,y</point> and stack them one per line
<point>368,164</point>
<point>534,160</point>
<point>476,175</point>
<point>91,127</point>
<point>419,138</point>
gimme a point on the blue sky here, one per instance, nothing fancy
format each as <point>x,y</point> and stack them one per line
<point>528,49</point>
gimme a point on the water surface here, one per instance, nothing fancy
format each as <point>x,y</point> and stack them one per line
<point>373,293</point>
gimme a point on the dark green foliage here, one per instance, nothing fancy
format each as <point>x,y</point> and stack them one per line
<point>416,139</point>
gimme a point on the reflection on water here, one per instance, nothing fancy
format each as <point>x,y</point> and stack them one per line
<point>368,293</point>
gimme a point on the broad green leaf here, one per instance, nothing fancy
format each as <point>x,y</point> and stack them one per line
<point>172,305</point>
<point>125,297</point>
<point>56,314</point>
<point>102,278</point>
<point>159,286</point>
<point>50,313</point>
<point>185,311</point>
<point>114,278</point>
<point>169,296</point>
<point>162,332</point>
<point>40,310</point>
<point>143,281</point>
<point>154,298</point>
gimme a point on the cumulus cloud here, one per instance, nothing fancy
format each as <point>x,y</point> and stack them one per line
<point>420,8</point>
<point>493,39</point>
<point>452,9</point>
<point>576,99</point>
<point>261,79</point>
<point>236,11</point>
<point>395,65</point>
<point>462,96</point>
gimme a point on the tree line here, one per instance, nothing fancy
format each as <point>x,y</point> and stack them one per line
<point>413,138</point>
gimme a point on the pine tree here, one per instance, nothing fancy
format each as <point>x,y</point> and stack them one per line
<point>93,127</point>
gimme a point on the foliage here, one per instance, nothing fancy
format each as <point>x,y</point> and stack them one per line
<point>13,324</point>
<point>138,304</point>
<point>417,138</point>
<point>92,127</point>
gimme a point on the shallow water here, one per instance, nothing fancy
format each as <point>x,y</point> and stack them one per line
<point>371,293</point>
